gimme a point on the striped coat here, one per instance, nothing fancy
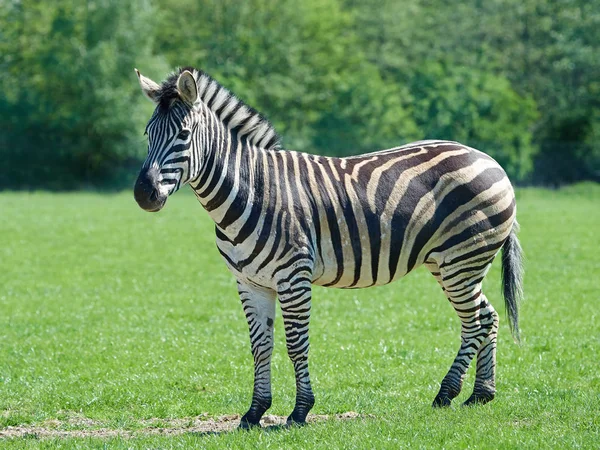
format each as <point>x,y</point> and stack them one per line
<point>286,220</point>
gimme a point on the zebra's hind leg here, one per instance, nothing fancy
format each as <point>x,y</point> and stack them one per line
<point>479,324</point>
<point>259,308</point>
<point>485,380</point>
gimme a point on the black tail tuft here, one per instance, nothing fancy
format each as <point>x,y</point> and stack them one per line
<point>512,279</point>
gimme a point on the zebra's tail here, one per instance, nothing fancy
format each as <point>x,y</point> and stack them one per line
<point>512,279</point>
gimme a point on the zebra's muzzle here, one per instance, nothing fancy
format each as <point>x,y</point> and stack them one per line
<point>146,192</point>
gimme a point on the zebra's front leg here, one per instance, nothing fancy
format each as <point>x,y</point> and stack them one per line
<point>259,308</point>
<point>295,299</point>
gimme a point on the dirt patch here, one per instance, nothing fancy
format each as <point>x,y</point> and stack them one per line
<point>201,425</point>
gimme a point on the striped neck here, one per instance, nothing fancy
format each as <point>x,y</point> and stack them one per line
<point>229,182</point>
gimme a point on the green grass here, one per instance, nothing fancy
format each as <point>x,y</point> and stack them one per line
<point>116,315</point>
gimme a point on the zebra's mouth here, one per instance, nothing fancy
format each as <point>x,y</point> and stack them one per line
<point>154,210</point>
<point>152,205</point>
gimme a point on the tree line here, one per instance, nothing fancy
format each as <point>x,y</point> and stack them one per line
<point>518,79</point>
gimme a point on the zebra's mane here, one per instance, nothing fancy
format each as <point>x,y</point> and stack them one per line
<point>235,114</point>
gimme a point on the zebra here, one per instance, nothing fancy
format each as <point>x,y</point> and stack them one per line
<point>286,220</point>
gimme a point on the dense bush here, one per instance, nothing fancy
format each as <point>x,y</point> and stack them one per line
<point>70,111</point>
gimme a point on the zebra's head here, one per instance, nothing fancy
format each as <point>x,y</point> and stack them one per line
<point>172,136</point>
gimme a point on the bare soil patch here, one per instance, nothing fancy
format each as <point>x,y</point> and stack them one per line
<point>81,428</point>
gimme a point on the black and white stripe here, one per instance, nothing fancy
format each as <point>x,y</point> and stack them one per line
<point>286,220</point>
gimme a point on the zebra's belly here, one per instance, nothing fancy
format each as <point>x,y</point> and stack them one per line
<point>328,278</point>
<point>362,260</point>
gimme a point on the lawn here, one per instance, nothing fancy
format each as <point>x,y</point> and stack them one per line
<point>114,319</point>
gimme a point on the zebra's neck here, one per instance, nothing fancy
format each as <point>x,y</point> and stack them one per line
<point>230,182</point>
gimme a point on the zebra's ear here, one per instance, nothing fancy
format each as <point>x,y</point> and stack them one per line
<point>149,87</point>
<point>186,85</point>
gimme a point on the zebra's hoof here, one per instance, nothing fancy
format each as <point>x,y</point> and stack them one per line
<point>290,422</point>
<point>441,401</point>
<point>245,424</point>
<point>479,399</point>
<point>297,418</point>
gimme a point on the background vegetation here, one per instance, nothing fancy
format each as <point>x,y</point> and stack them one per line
<point>519,79</point>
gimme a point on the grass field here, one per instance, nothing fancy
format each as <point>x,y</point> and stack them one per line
<point>114,319</point>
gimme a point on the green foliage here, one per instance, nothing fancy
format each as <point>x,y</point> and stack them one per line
<point>112,316</point>
<point>554,55</point>
<point>71,109</point>
<point>547,51</point>
<point>477,108</point>
<point>517,79</point>
<point>298,62</point>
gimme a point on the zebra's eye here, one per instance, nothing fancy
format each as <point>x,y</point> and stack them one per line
<point>183,135</point>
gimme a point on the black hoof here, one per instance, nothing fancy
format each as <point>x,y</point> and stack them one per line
<point>441,401</point>
<point>298,417</point>
<point>246,424</point>
<point>290,422</point>
<point>479,399</point>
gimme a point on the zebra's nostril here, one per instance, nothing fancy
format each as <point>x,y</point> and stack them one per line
<point>153,195</point>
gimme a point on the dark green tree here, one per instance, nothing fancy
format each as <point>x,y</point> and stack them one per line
<point>548,51</point>
<point>71,114</point>
<point>300,63</point>
<point>452,91</point>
